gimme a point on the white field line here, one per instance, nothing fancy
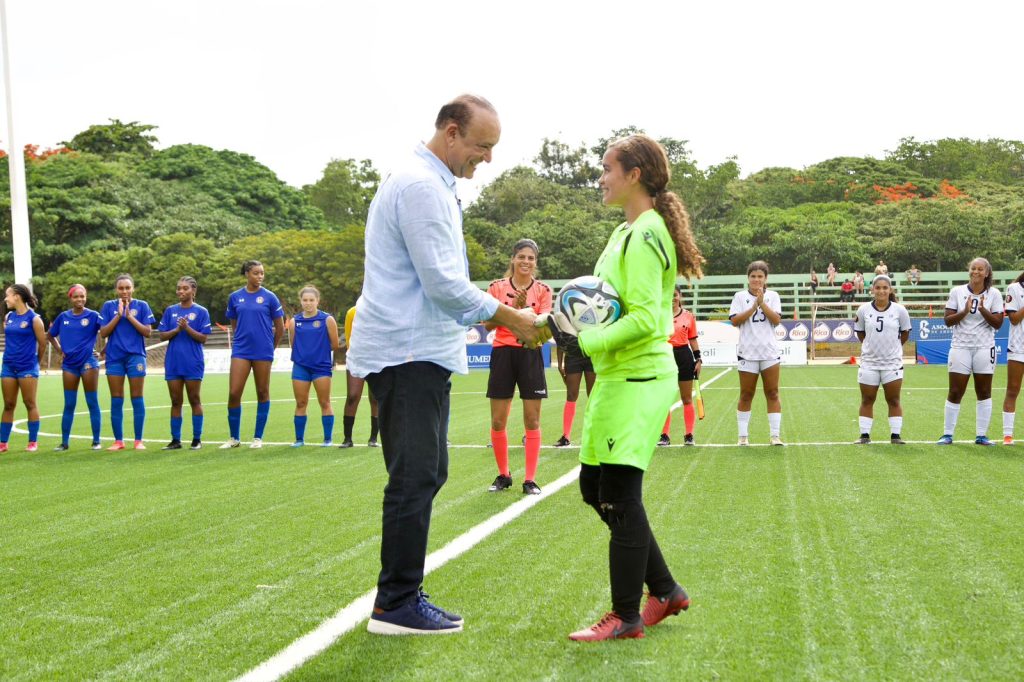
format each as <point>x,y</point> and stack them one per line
<point>317,641</point>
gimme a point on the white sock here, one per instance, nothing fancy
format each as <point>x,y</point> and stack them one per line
<point>952,412</point>
<point>896,425</point>
<point>774,423</point>
<point>983,414</point>
<point>743,423</point>
<point>865,424</point>
<point>1008,423</point>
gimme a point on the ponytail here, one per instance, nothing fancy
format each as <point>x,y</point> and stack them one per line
<point>673,212</point>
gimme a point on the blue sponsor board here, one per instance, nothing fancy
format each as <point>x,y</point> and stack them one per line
<point>936,352</point>
<point>479,355</point>
<point>934,329</point>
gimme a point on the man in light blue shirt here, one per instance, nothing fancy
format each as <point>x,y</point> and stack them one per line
<point>408,337</point>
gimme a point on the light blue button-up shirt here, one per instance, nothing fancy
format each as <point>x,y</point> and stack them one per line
<point>417,297</point>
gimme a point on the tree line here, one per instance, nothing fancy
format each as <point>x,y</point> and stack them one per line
<point>108,201</point>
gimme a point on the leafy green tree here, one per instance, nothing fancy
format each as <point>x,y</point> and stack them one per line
<point>566,166</point>
<point>993,160</point>
<point>110,141</point>
<point>345,191</point>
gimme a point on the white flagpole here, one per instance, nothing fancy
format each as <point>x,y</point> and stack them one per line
<point>16,165</point>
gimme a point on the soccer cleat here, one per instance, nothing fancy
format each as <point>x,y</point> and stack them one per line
<point>983,440</point>
<point>743,441</point>
<point>500,483</point>
<point>139,445</point>
<point>256,444</point>
<point>775,440</point>
<point>3,447</point>
<point>419,617</point>
<point>32,446</point>
<point>945,440</point>
<point>96,445</point>
<point>118,445</point>
<point>658,609</point>
<point>196,444</point>
<point>372,443</point>
<point>327,444</point>
<point>345,444</point>
<point>611,626</point>
<point>1007,440</point>
<point>562,442</point>
<point>63,447</point>
<point>864,439</point>
<point>232,443</point>
<point>530,488</point>
<point>453,617</point>
<point>173,445</point>
<point>664,441</point>
<point>895,439</point>
<point>688,439</point>
<point>298,444</point>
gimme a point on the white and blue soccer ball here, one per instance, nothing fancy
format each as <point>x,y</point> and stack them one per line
<point>589,302</point>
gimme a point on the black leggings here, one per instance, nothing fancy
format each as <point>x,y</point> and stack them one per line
<point>615,492</point>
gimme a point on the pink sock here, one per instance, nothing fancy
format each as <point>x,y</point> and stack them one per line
<point>668,422</point>
<point>689,416</point>
<point>499,439</point>
<point>532,454</point>
<point>568,414</point>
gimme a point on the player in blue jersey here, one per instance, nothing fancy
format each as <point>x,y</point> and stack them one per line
<point>185,326</point>
<point>257,325</point>
<point>24,344</point>
<point>73,334</point>
<point>127,323</point>
<point>314,340</point>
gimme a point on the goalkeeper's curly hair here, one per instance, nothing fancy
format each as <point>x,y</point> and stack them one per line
<point>641,151</point>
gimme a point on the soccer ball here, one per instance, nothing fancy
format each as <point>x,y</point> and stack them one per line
<point>589,303</point>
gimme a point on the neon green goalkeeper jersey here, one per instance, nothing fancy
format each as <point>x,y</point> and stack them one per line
<point>640,262</point>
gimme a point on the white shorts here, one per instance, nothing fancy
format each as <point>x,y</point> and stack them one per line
<point>878,377</point>
<point>972,360</point>
<point>756,366</point>
<point>1015,357</point>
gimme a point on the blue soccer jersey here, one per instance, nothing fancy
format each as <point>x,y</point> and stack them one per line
<point>126,339</point>
<point>311,346</point>
<point>185,354</point>
<point>254,313</point>
<point>21,350</point>
<point>77,334</point>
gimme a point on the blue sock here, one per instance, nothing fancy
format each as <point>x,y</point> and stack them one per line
<point>176,428</point>
<point>70,401</point>
<point>33,432</point>
<point>139,414</point>
<point>5,431</point>
<point>197,426</point>
<point>300,428</point>
<point>95,418</point>
<point>262,414</point>
<point>117,417</point>
<point>328,421</point>
<point>235,421</point>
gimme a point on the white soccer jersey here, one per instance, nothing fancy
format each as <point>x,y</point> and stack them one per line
<point>973,331</point>
<point>1014,302</point>
<point>881,348</point>
<point>757,334</point>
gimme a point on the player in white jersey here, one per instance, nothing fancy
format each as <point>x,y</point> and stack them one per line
<point>1015,355</point>
<point>882,326</point>
<point>975,311</point>
<point>756,311</point>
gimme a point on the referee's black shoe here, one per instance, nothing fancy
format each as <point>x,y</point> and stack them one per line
<point>501,483</point>
<point>173,445</point>
<point>563,442</point>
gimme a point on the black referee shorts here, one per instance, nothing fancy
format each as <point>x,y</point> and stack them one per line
<point>578,364</point>
<point>685,362</point>
<point>513,366</point>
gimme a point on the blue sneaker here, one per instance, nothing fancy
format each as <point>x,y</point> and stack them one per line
<point>415,618</point>
<point>298,444</point>
<point>945,440</point>
<point>453,617</point>
<point>983,440</point>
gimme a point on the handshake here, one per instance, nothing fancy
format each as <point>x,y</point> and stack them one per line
<point>554,325</point>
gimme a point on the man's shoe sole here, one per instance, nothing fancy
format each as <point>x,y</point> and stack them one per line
<point>380,627</point>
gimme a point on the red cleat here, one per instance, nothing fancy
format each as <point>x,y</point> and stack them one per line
<point>118,445</point>
<point>658,609</point>
<point>139,445</point>
<point>611,626</point>
<point>3,447</point>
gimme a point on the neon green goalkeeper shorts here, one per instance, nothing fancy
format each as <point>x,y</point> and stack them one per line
<point>623,420</point>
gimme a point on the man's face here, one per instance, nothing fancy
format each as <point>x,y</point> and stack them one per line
<point>466,152</point>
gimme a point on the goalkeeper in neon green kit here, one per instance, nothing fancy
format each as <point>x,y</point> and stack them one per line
<point>636,380</point>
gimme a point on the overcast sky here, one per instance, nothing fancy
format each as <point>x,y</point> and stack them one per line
<point>298,83</point>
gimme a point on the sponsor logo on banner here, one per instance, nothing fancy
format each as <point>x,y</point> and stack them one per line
<point>490,336</point>
<point>799,332</point>
<point>821,332</point>
<point>843,332</point>
<point>780,333</point>
<point>472,335</point>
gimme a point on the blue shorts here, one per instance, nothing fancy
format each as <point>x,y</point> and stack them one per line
<point>8,372</point>
<point>91,363</point>
<point>131,366</point>
<point>184,377</point>
<point>303,373</point>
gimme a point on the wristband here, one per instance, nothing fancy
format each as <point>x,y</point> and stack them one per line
<point>696,355</point>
